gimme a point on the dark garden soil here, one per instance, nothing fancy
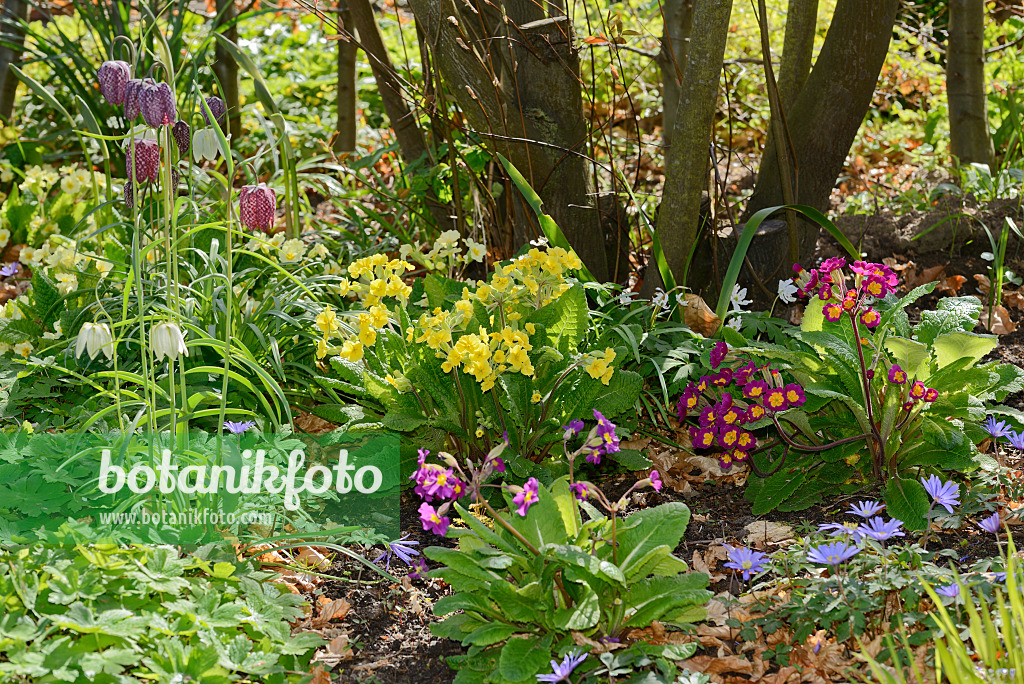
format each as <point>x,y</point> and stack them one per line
<point>388,624</point>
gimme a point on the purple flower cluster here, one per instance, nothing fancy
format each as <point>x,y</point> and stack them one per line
<point>829,283</point>
<point>440,485</point>
<point>915,392</point>
<point>722,418</point>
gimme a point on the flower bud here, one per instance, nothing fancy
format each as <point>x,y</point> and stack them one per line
<point>256,207</point>
<point>147,160</point>
<point>167,340</point>
<point>113,79</point>
<point>183,136</point>
<point>129,194</point>
<point>156,102</point>
<point>218,109</point>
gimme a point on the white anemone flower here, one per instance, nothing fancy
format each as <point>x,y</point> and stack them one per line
<point>94,338</point>
<point>167,341</point>
<point>787,291</point>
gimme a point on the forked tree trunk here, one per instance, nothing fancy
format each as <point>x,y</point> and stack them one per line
<point>345,136</point>
<point>687,160</point>
<point>514,72</point>
<point>226,69</point>
<point>675,45</point>
<point>969,137</point>
<point>823,121</point>
<point>14,12</point>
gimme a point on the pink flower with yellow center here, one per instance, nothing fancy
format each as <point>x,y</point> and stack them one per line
<point>870,318</point>
<point>702,438</point>
<point>775,400</point>
<point>833,312</point>
<point>727,437</point>
<point>917,390</point>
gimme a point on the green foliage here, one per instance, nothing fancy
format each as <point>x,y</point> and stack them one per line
<point>522,595</point>
<point>940,351</point>
<point>107,614</point>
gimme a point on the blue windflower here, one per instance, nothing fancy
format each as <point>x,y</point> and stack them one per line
<point>949,591</point>
<point>866,509</point>
<point>832,554</point>
<point>747,561</point>
<point>840,530</point>
<point>945,494</point>
<point>996,428</point>
<point>991,524</point>
<point>1017,440</point>
<point>400,549</point>
<point>560,671</point>
<point>879,530</point>
<point>237,428</point>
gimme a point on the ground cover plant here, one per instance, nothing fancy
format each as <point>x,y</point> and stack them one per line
<point>509,342</point>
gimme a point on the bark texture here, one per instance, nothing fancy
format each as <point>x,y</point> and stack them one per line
<point>969,137</point>
<point>14,12</point>
<point>513,69</point>
<point>345,136</point>
<point>824,119</point>
<point>226,69</point>
<point>675,45</point>
<point>797,49</point>
<point>687,161</point>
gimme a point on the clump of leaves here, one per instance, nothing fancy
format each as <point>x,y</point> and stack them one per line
<point>107,614</point>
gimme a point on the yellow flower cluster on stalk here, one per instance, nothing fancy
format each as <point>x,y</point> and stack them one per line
<point>371,279</point>
<point>529,282</point>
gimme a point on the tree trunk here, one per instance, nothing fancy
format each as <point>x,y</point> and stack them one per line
<point>14,12</point>
<point>687,160</point>
<point>675,44</point>
<point>411,142</point>
<point>345,138</point>
<point>226,69</point>
<point>969,138</point>
<point>517,83</point>
<point>797,48</point>
<point>824,120</point>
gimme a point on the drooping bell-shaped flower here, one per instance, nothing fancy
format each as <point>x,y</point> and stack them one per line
<point>147,160</point>
<point>167,341</point>
<point>256,207</point>
<point>156,101</point>
<point>95,338</point>
<point>131,97</point>
<point>218,109</point>
<point>204,145</point>
<point>183,136</point>
<point>129,194</point>
<point>113,77</point>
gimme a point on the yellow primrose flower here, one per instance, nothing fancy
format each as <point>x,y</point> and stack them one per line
<point>600,368</point>
<point>66,283</point>
<point>319,251</point>
<point>321,348</point>
<point>352,351</point>
<point>23,349</point>
<point>291,251</point>
<point>327,321</point>
<point>536,398</point>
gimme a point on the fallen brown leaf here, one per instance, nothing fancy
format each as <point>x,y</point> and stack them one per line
<point>999,322</point>
<point>699,317</point>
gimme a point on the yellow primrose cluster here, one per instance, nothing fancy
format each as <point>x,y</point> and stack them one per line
<point>483,355</point>
<point>372,279</point>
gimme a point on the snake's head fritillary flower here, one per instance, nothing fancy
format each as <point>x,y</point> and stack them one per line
<point>218,109</point>
<point>113,78</point>
<point>146,154</point>
<point>183,136</point>
<point>132,103</point>
<point>257,205</point>
<point>93,339</point>
<point>156,102</point>
<point>167,341</point>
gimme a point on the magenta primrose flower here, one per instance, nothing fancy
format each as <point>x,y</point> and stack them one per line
<point>527,496</point>
<point>432,521</point>
<point>718,353</point>
<point>573,428</point>
<point>897,375</point>
<point>579,490</point>
<point>656,481</point>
